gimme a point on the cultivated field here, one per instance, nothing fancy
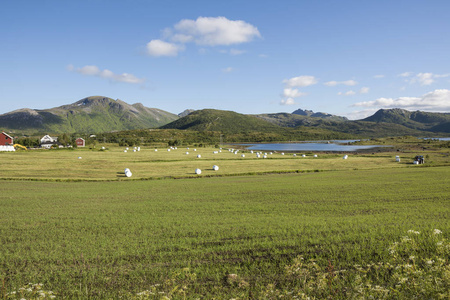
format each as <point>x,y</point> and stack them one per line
<point>365,226</point>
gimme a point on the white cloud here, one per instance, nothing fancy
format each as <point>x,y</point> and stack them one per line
<point>346,82</point>
<point>292,93</point>
<point>378,76</point>
<point>300,81</point>
<point>91,70</point>
<point>427,78</point>
<point>361,114</point>
<point>288,101</point>
<point>405,74</point>
<point>437,100</point>
<point>331,83</point>
<point>215,31</point>
<point>263,55</point>
<point>348,93</point>
<point>364,90</point>
<point>228,70</point>
<point>161,48</point>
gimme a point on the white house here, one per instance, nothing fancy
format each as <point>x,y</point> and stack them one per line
<point>48,141</point>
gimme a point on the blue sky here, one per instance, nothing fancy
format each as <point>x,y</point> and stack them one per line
<point>348,58</point>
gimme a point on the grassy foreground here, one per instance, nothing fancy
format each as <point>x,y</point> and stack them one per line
<point>341,234</point>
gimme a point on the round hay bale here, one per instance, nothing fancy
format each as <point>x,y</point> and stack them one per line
<point>215,168</point>
<point>199,156</point>
<point>168,150</point>
<point>128,174</point>
<point>79,157</point>
<point>156,150</point>
<point>187,153</point>
<point>198,171</point>
<point>242,155</point>
<point>315,155</point>
<point>345,156</point>
<point>125,151</point>
<point>303,155</point>
<point>282,153</point>
<point>294,155</point>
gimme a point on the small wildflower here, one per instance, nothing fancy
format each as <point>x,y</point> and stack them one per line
<point>437,231</point>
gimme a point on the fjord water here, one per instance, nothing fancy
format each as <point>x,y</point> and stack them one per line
<point>336,146</point>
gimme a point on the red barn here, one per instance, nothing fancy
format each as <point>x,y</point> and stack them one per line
<point>80,142</point>
<point>6,140</point>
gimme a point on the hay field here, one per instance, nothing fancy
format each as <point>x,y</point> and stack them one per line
<point>350,232</point>
<point>87,164</point>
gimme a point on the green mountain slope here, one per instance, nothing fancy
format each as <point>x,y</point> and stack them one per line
<point>412,119</point>
<point>221,120</point>
<point>91,114</point>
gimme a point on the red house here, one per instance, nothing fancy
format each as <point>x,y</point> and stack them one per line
<point>6,140</point>
<point>80,142</point>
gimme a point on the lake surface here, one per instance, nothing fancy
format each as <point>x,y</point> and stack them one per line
<point>336,146</point>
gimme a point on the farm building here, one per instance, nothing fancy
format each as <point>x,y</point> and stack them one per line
<point>6,142</point>
<point>80,142</point>
<point>6,139</point>
<point>48,141</point>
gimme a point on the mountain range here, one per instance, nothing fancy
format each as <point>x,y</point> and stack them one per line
<point>91,114</point>
<point>98,114</point>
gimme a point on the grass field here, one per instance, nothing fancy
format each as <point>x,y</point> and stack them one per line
<point>87,164</point>
<point>341,233</point>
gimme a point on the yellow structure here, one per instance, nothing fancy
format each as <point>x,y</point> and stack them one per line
<point>20,146</point>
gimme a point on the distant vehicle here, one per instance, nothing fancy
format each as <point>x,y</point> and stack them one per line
<point>419,159</point>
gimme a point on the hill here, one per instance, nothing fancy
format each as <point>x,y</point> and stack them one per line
<point>420,120</point>
<point>221,120</point>
<point>91,114</point>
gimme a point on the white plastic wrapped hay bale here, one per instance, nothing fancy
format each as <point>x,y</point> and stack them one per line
<point>345,156</point>
<point>79,157</point>
<point>242,155</point>
<point>156,150</point>
<point>216,168</point>
<point>128,172</point>
<point>303,155</point>
<point>397,158</point>
<point>294,155</point>
<point>199,156</point>
<point>198,171</point>
<point>315,155</point>
<point>187,153</point>
<point>282,153</point>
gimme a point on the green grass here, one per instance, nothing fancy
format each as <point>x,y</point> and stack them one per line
<point>105,239</point>
<point>148,164</point>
